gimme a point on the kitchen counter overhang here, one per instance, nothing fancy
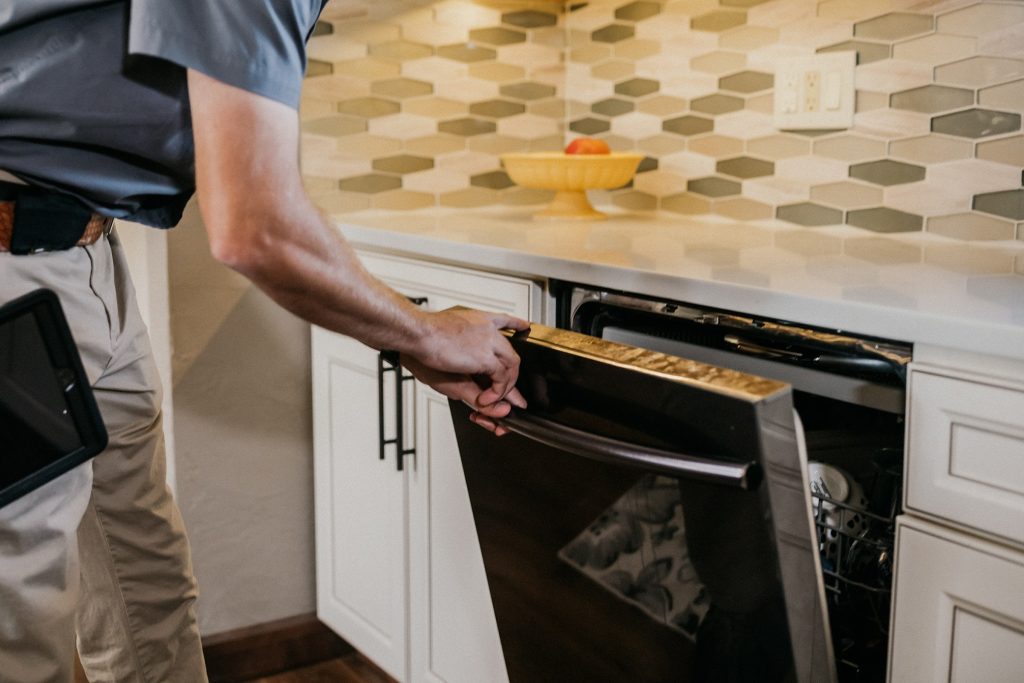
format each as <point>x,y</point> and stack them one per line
<point>915,288</point>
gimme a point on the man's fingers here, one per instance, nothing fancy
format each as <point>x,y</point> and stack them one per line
<point>509,322</point>
<point>488,424</point>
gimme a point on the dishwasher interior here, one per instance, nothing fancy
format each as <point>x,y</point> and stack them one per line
<point>849,392</point>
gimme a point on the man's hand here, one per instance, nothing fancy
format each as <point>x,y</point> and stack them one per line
<point>464,356</point>
<point>261,223</point>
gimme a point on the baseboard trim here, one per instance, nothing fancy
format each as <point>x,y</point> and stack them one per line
<point>270,648</point>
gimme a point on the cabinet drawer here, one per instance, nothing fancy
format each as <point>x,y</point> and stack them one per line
<point>965,453</point>
<point>959,608</point>
<point>445,286</point>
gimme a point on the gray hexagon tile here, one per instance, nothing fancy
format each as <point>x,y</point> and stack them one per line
<point>747,82</point>
<point>971,226</point>
<point>638,11</point>
<point>637,87</point>
<point>809,214</point>
<point>932,99</point>
<point>883,219</point>
<point>745,167</point>
<point>1007,203</point>
<point>976,123</point>
<point>894,26</point>
<point>713,187</point>
<point>688,125</point>
<point>529,19</point>
<point>887,172</point>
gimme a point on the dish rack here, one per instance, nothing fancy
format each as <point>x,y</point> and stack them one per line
<point>857,563</point>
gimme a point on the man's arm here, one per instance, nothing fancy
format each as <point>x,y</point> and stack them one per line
<point>261,223</point>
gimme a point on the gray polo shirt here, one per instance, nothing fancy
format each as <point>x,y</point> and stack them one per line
<point>93,95</point>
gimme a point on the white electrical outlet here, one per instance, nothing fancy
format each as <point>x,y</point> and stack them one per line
<point>815,92</point>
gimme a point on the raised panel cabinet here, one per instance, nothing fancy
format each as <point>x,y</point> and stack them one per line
<point>399,572</point>
<point>959,608</point>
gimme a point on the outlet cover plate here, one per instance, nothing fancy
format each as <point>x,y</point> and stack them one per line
<point>815,92</point>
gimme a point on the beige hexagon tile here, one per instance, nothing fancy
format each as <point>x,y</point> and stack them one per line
<point>403,200</point>
<point>343,202</point>
<point>402,126</point>
<point>434,69</point>
<point>974,176</point>
<point>467,89</point>
<point>589,53</point>
<point>980,71</point>
<point>1008,42</point>
<point>780,13</point>
<point>313,108</point>
<point>747,38</point>
<point>528,54</point>
<point>435,145</point>
<point>851,9</point>
<point>553,36</point>
<point>336,87</point>
<point>343,12</point>
<point>637,49</point>
<point>892,123</point>
<point>635,201</point>
<point>594,16</point>
<point>369,146</point>
<point>494,144</point>
<point>870,101</point>
<point>661,144</point>
<point>465,14</point>
<point>618,143</point>
<point>814,31</point>
<point>613,70</point>
<point>719,63</point>
<point>811,170</point>
<point>775,191</point>
<point>1008,96</point>
<point>893,75</point>
<point>334,165</point>
<point>435,107</point>
<point>496,72</point>
<point>812,244</point>
<point>686,203</point>
<point>659,183</point>
<point>850,148</point>
<point>847,194</point>
<point>1005,151</point>
<point>335,48</point>
<point>715,146</point>
<point>430,33</point>
<point>528,126</point>
<point>881,251</point>
<point>369,68</point>
<point>332,127</point>
<point>636,125</point>
<point>938,48</point>
<point>316,186</point>
<point>980,19</point>
<point>687,164</point>
<point>552,109</point>
<point>436,180</point>
<point>470,198</point>
<point>742,208</point>
<point>976,261</point>
<point>677,9</point>
<point>744,124</point>
<point>930,198</point>
<point>665,106</point>
<point>468,163</point>
<point>971,226</point>
<point>547,144</point>
<point>368,31</point>
<point>779,146</point>
<point>931,149</point>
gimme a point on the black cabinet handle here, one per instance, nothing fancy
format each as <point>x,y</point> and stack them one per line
<point>389,361</point>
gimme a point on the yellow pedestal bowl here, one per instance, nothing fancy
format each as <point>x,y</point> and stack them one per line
<point>570,176</point>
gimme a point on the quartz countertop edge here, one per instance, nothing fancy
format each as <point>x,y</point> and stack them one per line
<point>737,266</point>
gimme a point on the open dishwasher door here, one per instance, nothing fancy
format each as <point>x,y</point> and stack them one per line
<point>647,520</point>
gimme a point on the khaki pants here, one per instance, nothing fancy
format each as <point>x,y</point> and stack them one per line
<point>100,551</point>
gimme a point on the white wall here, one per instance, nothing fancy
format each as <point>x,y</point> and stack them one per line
<point>242,423</point>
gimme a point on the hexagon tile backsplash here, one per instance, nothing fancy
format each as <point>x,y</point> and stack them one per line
<point>408,105</point>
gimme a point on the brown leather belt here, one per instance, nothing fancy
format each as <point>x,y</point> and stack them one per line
<point>96,227</point>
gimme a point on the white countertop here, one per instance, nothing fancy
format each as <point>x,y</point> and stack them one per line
<point>916,288</point>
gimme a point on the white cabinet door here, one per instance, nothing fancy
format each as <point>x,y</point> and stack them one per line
<point>361,514</point>
<point>958,613</point>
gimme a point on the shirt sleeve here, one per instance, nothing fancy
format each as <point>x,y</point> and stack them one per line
<point>256,46</point>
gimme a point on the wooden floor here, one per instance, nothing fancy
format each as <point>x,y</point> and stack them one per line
<point>351,668</point>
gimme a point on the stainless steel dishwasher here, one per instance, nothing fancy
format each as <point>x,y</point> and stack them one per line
<point>653,516</point>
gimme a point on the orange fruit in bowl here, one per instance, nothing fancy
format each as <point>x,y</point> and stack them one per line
<point>588,146</point>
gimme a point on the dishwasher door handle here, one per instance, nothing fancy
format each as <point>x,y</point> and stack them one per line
<point>579,442</point>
